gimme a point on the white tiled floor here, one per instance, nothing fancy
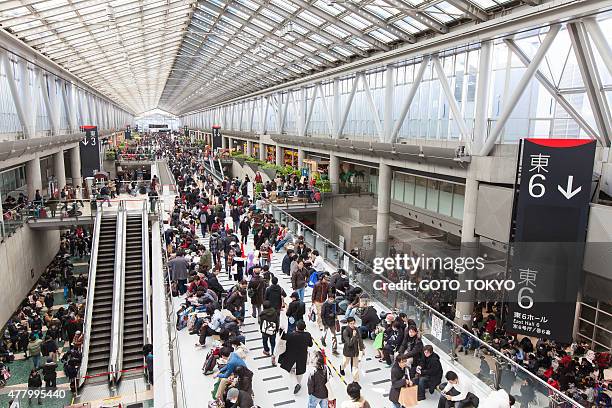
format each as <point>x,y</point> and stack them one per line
<point>273,387</point>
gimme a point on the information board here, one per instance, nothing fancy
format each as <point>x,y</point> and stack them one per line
<point>550,217</point>
<point>89,148</point>
<point>217,139</point>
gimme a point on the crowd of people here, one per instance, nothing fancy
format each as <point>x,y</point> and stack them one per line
<point>45,333</point>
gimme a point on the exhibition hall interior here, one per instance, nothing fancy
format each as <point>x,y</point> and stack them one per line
<point>306,203</point>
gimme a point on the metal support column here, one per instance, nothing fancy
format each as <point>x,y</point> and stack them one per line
<point>383,209</point>
<point>301,155</point>
<point>483,88</point>
<point>75,166</point>
<point>33,177</point>
<point>334,172</point>
<point>279,156</point>
<point>389,102</point>
<point>59,169</point>
<point>249,148</point>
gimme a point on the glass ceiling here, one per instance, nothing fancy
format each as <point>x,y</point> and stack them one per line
<point>178,54</point>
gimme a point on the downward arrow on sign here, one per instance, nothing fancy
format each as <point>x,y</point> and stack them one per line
<point>568,192</point>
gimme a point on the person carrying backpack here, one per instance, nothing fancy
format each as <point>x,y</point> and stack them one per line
<point>268,325</point>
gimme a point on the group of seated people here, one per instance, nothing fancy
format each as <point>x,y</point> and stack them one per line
<point>40,329</point>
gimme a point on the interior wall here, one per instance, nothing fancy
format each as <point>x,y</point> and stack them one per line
<point>23,258</point>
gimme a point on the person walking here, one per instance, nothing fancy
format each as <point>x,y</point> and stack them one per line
<point>268,326</point>
<point>275,294</point>
<point>356,400</point>
<point>296,353</point>
<point>299,278</point>
<point>317,384</point>
<point>319,296</point>
<point>257,290</point>
<point>329,317</point>
<point>353,346</point>
<point>295,312</point>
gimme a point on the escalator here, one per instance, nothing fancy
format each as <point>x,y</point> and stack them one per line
<point>133,310</point>
<point>101,326</point>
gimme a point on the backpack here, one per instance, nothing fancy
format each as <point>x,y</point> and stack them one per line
<point>268,327</point>
<point>210,363</point>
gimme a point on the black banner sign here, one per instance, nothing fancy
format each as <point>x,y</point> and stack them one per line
<point>90,151</point>
<point>551,214</point>
<point>217,139</point>
<point>186,131</point>
<point>128,132</point>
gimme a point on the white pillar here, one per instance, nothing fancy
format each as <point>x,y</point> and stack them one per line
<point>482,96</point>
<point>279,156</point>
<point>383,209</point>
<point>301,155</point>
<point>33,177</point>
<point>262,151</point>
<point>334,172</point>
<point>230,143</point>
<point>249,148</point>
<point>389,103</point>
<point>469,246</point>
<point>59,169</point>
<point>75,166</point>
<point>223,142</point>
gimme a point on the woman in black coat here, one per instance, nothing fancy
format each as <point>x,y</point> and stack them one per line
<point>399,379</point>
<point>317,382</point>
<point>296,352</point>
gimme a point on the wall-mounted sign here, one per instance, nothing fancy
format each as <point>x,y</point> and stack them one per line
<point>90,151</point>
<point>550,214</point>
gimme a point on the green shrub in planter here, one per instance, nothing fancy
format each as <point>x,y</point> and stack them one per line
<point>259,187</point>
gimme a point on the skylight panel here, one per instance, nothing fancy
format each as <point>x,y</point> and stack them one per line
<point>306,46</point>
<point>46,5</point>
<point>249,4</point>
<point>285,5</point>
<point>238,13</point>
<point>261,24</point>
<point>311,18</point>
<point>294,52</point>
<point>416,23</point>
<point>383,35</point>
<point>342,51</point>
<point>336,31</point>
<point>331,9</point>
<point>402,24</point>
<point>355,21</point>
<point>486,3</point>
<point>272,15</point>
<point>359,43</point>
<point>381,12</point>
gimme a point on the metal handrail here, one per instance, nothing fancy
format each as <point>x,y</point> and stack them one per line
<point>146,293</point>
<point>178,384</point>
<point>420,303</point>
<point>91,286</point>
<point>116,347</point>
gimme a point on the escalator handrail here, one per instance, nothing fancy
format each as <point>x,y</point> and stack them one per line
<point>146,274</point>
<point>115,362</point>
<point>91,286</point>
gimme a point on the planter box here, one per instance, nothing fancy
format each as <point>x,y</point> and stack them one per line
<point>240,160</point>
<point>270,173</point>
<point>253,166</point>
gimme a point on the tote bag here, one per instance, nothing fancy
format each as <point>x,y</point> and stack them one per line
<point>408,396</point>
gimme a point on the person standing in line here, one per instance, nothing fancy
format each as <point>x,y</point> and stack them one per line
<point>245,228</point>
<point>50,373</point>
<point>296,353</point>
<point>275,294</point>
<point>34,350</point>
<point>353,346</point>
<point>179,271</point>
<point>34,383</point>
<point>295,312</point>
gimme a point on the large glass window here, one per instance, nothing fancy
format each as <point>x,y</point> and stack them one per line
<point>445,205</point>
<point>420,192</point>
<point>432,195</point>
<point>398,187</point>
<point>409,190</point>
<point>458,199</point>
